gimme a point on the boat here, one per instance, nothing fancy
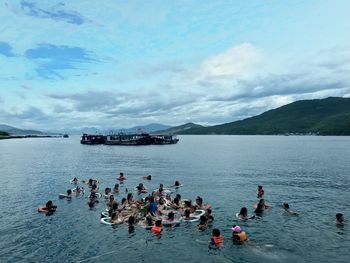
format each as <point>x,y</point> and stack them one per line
<point>65,136</point>
<point>165,139</point>
<point>129,139</point>
<point>92,139</point>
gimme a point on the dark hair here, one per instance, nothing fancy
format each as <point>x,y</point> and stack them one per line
<point>176,201</point>
<point>187,212</point>
<point>149,177</point>
<point>338,215</point>
<point>158,222</point>
<point>209,211</point>
<point>129,196</point>
<point>216,232</point>
<point>203,219</point>
<point>116,185</point>
<point>149,220</point>
<point>49,203</point>
<point>114,214</point>
<point>171,216</point>
<point>286,205</point>
<point>69,192</point>
<point>178,196</point>
<point>131,220</point>
<point>177,183</point>
<point>115,206</point>
<point>123,200</point>
<point>244,211</point>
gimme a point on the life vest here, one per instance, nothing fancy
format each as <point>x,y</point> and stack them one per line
<point>218,241</point>
<point>242,236</point>
<point>157,229</point>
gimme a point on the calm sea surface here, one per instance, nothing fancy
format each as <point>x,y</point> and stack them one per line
<point>312,174</point>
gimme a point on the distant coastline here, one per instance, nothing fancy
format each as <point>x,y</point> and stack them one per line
<point>28,136</point>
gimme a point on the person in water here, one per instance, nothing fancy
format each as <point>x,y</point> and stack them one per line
<point>69,193</point>
<point>243,214</point>
<point>141,189</point>
<point>131,223</point>
<point>75,180</point>
<point>111,201</point>
<point>50,207</point>
<point>152,207</point>
<point>261,206</point>
<point>209,216</point>
<point>199,203</point>
<point>339,219</point>
<point>238,235</point>
<point>202,223</point>
<point>157,228</point>
<point>116,188</point>
<point>148,177</point>
<point>217,240</point>
<point>287,209</point>
<point>107,192</point>
<point>121,177</point>
<point>260,192</point>
<point>92,200</point>
<point>187,214</point>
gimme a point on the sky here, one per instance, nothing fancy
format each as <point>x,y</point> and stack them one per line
<point>110,64</point>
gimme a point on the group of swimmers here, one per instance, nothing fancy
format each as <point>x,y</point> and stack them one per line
<point>159,209</point>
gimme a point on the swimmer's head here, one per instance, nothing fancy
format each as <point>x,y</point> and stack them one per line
<point>216,232</point>
<point>159,223</point>
<point>286,205</point>
<point>236,229</point>
<point>339,217</point>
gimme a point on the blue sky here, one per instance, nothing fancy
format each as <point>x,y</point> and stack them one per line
<point>72,64</point>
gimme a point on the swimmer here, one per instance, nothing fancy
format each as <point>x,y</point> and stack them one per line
<point>209,216</point>
<point>176,203</point>
<point>141,189</point>
<point>116,188</point>
<point>115,219</point>
<point>152,207</point>
<point>111,201</point>
<point>261,206</point>
<point>94,188</point>
<point>92,200</point>
<point>75,180</point>
<point>286,209</point>
<point>243,214</point>
<point>69,193</point>
<point>107,193</point>
<point>339,219</point>
<point>238,235</point>
<point>148,177</point>
<point>187,214</point>
<point>176,184</point>
<point>217,240</point>
<point>121,178</point>
<point>202,223</point>
<point>199,203</point>
<point>131,223</point>
<point>50,207</point>
<point>157,228</point>
<point>113,209</point>
<point>260,192</point>
<point>130,199</point>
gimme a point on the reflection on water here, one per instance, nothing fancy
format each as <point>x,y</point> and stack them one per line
<point>310,173</point>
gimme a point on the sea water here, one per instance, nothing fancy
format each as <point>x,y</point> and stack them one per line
<point>311,173</point>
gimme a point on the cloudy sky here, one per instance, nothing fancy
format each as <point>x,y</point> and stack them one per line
<point>110,63</point>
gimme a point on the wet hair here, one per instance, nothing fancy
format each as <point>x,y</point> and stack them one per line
<point>260,187</point>
<point>149,220</point>
<point>116,186</point>
<point>187,212</point>
<point>121,174</point>
<point>171,216</point>
<point>131,220</point>
<point>199,200</point>
<point>216,232</point>
<point>176,201</point>
<point>91,204</point>
<point>69,192</point>
<point>111,197</point>
<point>177,183</point>
<point>243,212</point>
<point>261,202</point>
<point>286,205</point>
<point>123,200</point>
<point>93,186</point>
<point>178,196</point>
<point>209,211</point>
<point>149,177</point>
<point>49,204</point>
<point>338,216</point>
<point>203,220</point>
<point>115,206</point>
<point>161,201</point>
<point>158,222</point>
<point>188,203</point>
<point>129,197</point>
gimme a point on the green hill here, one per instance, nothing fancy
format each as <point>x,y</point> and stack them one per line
<point>2,133</point>
<point>179,129</point>
<point>330,116</point>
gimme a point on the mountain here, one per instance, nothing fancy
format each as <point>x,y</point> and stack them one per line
<point>180,129</point>
<point>15,131</point>
<point>330,116</point>
<point>148,128</point>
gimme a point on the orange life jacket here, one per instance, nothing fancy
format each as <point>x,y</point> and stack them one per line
<point>242,236</point>
<point>157,229</point>
<point>219,241</point>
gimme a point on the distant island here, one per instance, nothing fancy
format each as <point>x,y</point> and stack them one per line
<point>330,116</point>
